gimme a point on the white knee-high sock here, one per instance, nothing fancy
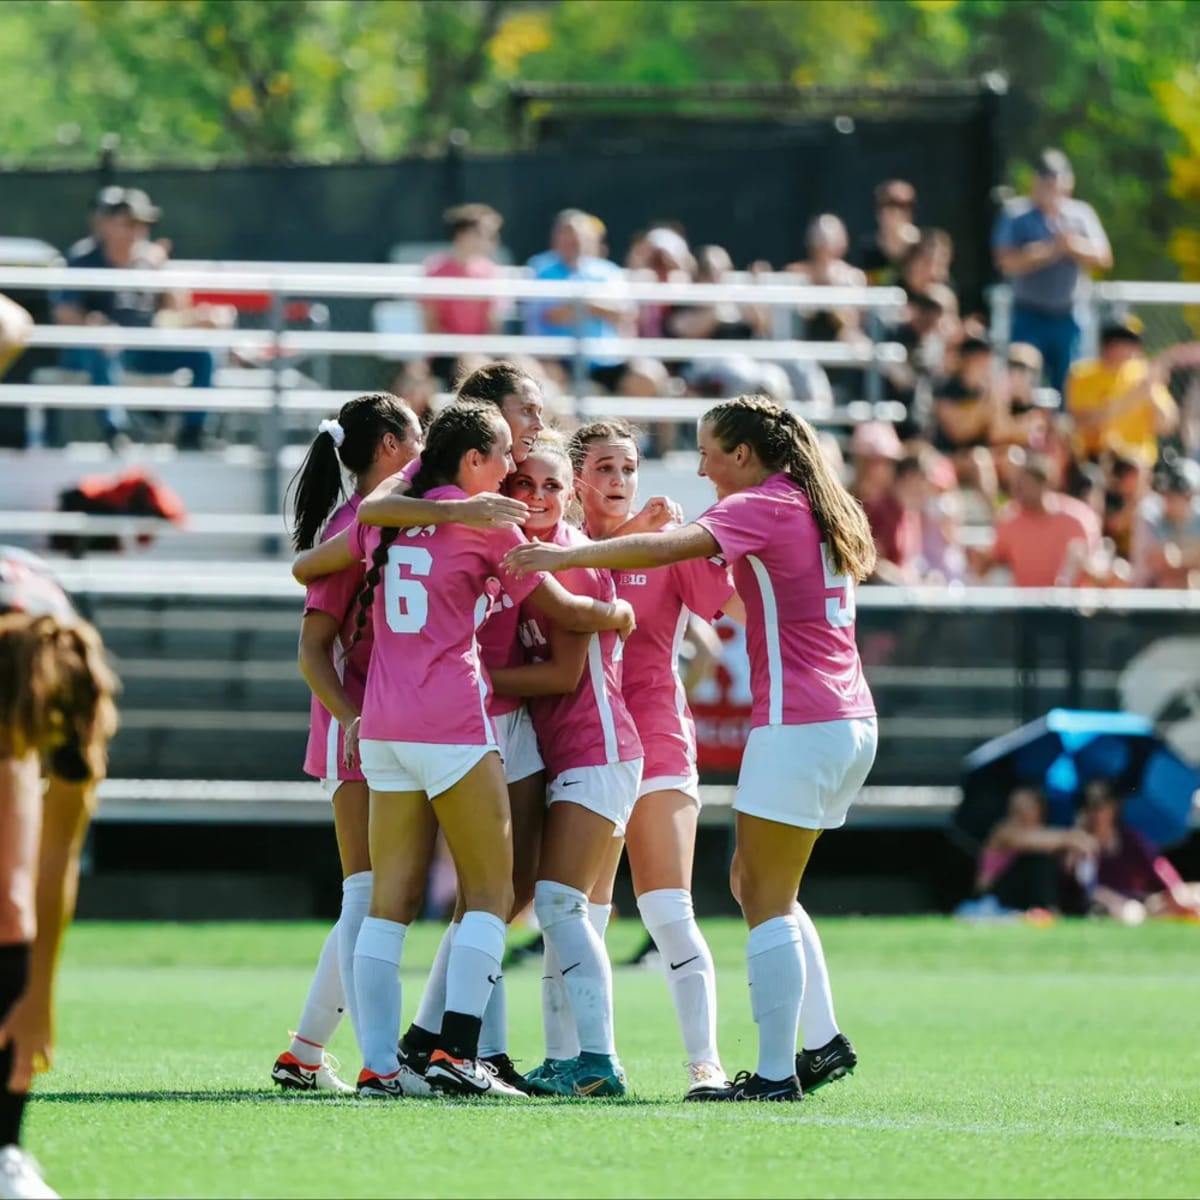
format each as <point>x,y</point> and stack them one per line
<point>775,966</point>
<point>670,919</point>
<point>818,1025</point>
<point>377,981</point>
<point>583,962</point>
<point>356,900</point>
<point>323,1008</point>
<point>474,963</point>
<point>432,1005</point>
<point>493,1034</point>
<point>558,1025</point>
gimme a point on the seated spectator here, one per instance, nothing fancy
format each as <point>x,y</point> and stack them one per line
<point>1045,245</point>
<point>123,219</point>
<point>928,327</point>
<point>1022,858</point>
<point>1022,421</point>
<point>944,559</point>
<point>1166,541</point>
<point>826,266</point>
<point>881,254</point>
<point>1120,398</point>
<point>474,231</point>
<point>668,260</point>
<point>928,262</point>
<point>573,256</point>
<point>964,404</point>
<point>418,387</point>
<point>1126,485</point>
<point>1124,877</point>
<point>1035,533</point>
<point>875,450</point>
<point>736,322</point>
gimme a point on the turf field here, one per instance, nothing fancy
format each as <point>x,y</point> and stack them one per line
<point>997,1061</point>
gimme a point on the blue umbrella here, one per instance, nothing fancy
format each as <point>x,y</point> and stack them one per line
<point>1064,751</point>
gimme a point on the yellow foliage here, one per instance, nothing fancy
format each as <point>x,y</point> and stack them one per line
<point>241,99</point>
<point>280,84</point>
<point>1180,101</point>
<point>935,6</point>
<point>518,36</point>
<point>216,36</point>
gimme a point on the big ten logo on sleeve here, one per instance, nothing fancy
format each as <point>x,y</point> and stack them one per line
<point>497,597</point>
<point>628,579</point>
<point>420,531</point>
<point>531,634</point>
<point>723,703</point>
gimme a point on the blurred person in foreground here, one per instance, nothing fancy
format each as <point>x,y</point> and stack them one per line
<point>123,220</point>
<point>1046,245</point>
<point>56,718</point>
<point>1166,540</point>
<point>474,231</point>
<point>15,326</point>
<point>1041,533</point>
<point>1124,877</point>
<point>1121,398</point>
<point>881,254</point>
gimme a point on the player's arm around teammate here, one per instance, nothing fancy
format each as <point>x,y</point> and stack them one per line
<point>797,543</point>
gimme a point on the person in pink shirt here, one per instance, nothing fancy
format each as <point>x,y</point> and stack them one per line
<point>797,544</point>
<point>437,760</point>
<point>372,437</point>
<point>594,762</point>
<point>661,833</point>
<point>1042,536</point>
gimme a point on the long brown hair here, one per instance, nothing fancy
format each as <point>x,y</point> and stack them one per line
<point>788,443</point>
<point>56,690</point>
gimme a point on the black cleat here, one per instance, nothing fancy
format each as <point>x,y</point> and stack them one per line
<point>746,1086</point>
<point>834,1060</point>
<point>502,1067</point>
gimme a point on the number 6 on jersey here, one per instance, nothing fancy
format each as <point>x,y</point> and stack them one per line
<point>406,600</point>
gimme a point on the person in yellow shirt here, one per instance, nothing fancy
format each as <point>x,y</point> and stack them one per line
<point>1120,399</point>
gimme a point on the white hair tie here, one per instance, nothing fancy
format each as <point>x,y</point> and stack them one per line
<point>334,429</point>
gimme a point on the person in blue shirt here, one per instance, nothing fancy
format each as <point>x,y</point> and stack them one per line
<point>573,255</point>
<point>1045,245</point>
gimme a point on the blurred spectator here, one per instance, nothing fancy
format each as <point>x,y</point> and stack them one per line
<point>928,262</point>
<point>15,324</point>
<point>123,220</point>
<point>1045,245</point>
<point>573,255</point>
<point>417,386</point>
<point>826,266</point>
<point>1120,400</point>
<point>719,320</point>
<point>944,559</point>
<point>1021,861</point>
<point>474,232</point>
<point>964,404</point>
<point>1035,533</point>
<point>1124,877</point>
<point>928,326</point>
<point>668,260</point>
<point>1127,483</point>
<point>1021,420</point>
<point>1166,541</point>
<point>881,254</point>
<point>875,449</point>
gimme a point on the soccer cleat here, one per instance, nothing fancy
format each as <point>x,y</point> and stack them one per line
<point>587,1075</point>
<point>704,1080</point>
<point>834,1060</point>
<point>502,1067</point>
<point>536,1078</point>
<point>467,1077</point>
<point>746,1086</point>
<point>379,1087</point>
<point>292,1075</point>
<point>21,1177</point>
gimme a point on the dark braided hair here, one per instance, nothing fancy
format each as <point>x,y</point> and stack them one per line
<point>788,443</point>
<point>456,430</point>
<point>317,485</point>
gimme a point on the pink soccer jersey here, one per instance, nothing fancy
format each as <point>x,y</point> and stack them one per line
<point>426,683</point>
<point>804,664</point>
<point>591,726</point>
<point>653,690</point>
<point>336,595</point>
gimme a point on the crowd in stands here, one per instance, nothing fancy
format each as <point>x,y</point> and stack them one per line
<point>1082,467</point>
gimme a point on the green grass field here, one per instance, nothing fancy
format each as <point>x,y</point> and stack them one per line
<point>998,1061</point>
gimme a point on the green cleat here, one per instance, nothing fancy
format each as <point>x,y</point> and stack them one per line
<point>536,1079</point>
<point>589,1075</point>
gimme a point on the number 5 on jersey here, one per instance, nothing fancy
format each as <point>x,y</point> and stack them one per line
<point>406,600</point>
<point>839,609</point>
